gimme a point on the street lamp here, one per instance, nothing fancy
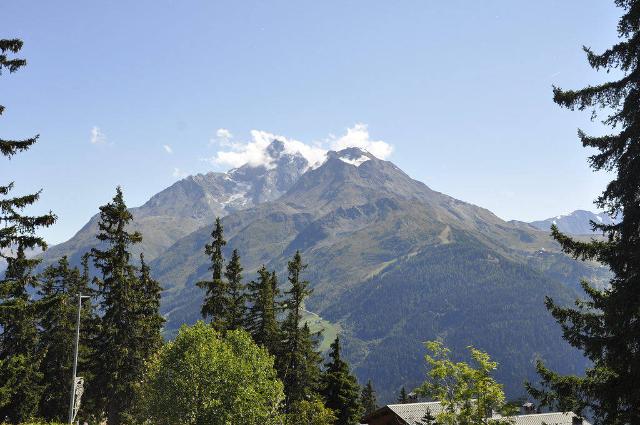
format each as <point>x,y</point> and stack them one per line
<point>74,404</point>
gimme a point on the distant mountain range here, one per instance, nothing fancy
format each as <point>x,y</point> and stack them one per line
<point>576,223</point>
<point>392,262</point>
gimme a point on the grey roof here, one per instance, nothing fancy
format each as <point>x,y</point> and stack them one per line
<point>557,418</point>
<point>413,412</point>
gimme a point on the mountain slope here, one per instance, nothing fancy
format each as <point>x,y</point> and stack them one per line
<point>356,220</point>
<point>576,223</point>
<point>195,201</point>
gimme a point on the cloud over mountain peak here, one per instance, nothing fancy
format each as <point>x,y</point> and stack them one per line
<point>257,152</point>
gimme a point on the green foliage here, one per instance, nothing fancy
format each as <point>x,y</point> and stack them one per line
<point>606,325</point>
<point>312,412</point>
<point>468,393</point>
<point>262,316</point>
<point>129,330</point>
<point>299,364</point>
<point>202,378</point>
<point>340,388</point>
<point>236,297</point>
<point>20,387</point>
<point>8,47</point>
<point>368,399</point>
<point>403,398</point>
<point>215,304</point>
<point>58,306</point>
<point>20,377</point>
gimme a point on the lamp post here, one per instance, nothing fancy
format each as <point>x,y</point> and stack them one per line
<point>75,360</point>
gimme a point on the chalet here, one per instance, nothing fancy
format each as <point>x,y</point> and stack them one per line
<point>414,413</point>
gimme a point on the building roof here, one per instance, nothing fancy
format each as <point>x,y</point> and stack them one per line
<point>411,413</point>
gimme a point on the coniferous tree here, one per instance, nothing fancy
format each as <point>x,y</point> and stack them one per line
<point>127,333</point>
<point>20,377</point>
<point>58,304</point>
<point>427,419</point>
<point>215,303</point>
<point>368,399</point>
<point>149,318</point>
<point>606,325</point>
<point>403,398</point>
<point>236,297</point>
<point>19,357</point>
<point>299,364</point>
<point>262,316</point>
<point>340,388</point>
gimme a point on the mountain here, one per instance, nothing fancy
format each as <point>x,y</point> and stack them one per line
<point>576,223</point>
<point>394,263</point>
<point>195,201</point>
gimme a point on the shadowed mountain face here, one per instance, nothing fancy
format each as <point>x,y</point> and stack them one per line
<point>392,262</point>
<point>194,202</point>
<point>576,223</point>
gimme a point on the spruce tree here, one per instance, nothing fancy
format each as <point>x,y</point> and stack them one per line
<point>129,329</point>
<point>262,316</point>
<point>427,419</point>
<point>606,325</point>
<point>19,357</point>
<point>149,318</point>
<point>340,389</point>
<point>20,377</point>
<point>58,305</point>
<point>299,364</point>
<point>236,297</point>
<point>215,303</point>
<point>368,399</point>
<point>403,398</point>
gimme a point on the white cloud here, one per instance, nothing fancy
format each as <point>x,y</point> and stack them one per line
<point>179,174</point>
<point>358,136</point>
<point>255,151</point>
<point>223,138</point>
<point>167,149</point>
<point>97,136</point>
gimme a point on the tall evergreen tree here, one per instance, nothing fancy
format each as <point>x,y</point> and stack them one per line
<point>236,297</point>
<point>19,357</point>
<point>368,399</point>
<point>127,333</point>
<point>340,389</point>
<point>299,364</point>
<point>215,302</point>
<point>403,398</point>
<point>58,304</point>
<point>606,325</point>
<point>20,377</point>
<point>149,318</point>
<point>262,316</point>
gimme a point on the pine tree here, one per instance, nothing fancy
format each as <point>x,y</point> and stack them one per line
<point>58,304</point>
<point>128,333</point>
<point>368,399</point>
<point>236,297</point>
<point>403,398</point>
<point>299,365</point>
<point>9,148</point>
<point>427,419</point>
<point>340,389</point>
<point>606,325</point>
<point>20,376</point>
<point>149,318</point>
<point>215,302</point>
<point>19,358</point>
<point>262,317</point>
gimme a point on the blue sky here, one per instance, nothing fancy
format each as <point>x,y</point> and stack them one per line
<point>461,91</point>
